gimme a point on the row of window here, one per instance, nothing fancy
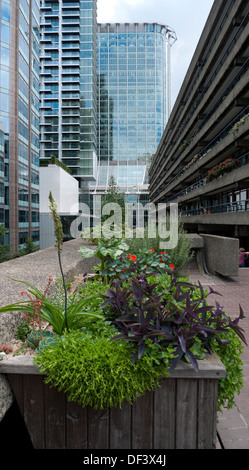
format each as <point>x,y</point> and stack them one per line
<point>23,196</point>
<point>23,216</point>
<point>23,175</point>
<point>22,237</point>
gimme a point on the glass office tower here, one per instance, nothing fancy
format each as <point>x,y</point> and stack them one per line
<point>69,85</point>
<point>19,120</point>
<point>133,102</point>
<point>104,95</point>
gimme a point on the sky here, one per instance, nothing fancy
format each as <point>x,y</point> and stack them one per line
<point>186,17</point>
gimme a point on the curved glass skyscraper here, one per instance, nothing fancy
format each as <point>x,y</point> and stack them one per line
<point>133,101</point>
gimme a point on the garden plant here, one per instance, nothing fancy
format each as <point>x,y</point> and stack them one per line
<point>111,341</point>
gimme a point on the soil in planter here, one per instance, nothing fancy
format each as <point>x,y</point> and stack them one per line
<point>13,430</point>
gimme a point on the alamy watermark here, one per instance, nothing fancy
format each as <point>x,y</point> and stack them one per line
<point>108,221</point>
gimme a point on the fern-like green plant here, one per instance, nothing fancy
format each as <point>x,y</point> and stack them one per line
<point>97,372</point>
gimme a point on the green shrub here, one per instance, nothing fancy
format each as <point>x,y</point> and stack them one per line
<point>179,256</point>
<point>143,260</point>
<point>97,372</point>
<point>230,355</point>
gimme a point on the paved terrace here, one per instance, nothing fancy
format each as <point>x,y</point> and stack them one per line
<point>233,425</point>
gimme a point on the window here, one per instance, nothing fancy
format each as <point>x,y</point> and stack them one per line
<point>34,178</point>
<point>35,198</point>
<point>23,216</point>
<point>4,102</point>
<point>23,109</point>
<point>4,56</point>
<point>22,237</point>
<point>35,236</point>
<point>35,216</point>
<point>23,196</point>
<point>5,33</point>
<point>23,130</point>
<point>4,79</point>
<point>5,11</point>
<point>23,174</point>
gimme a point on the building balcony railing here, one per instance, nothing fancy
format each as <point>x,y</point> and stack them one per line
<point>217,139</point>
<point>231,85</point>
<point>238,163</point>
<point>218,209</point>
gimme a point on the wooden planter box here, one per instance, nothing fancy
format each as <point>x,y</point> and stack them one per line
<point>181,414</point>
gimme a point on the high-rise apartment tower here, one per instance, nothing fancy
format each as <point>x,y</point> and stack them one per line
<point>69,84</point>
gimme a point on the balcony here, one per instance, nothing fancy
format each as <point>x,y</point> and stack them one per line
<point>225,76</point>
<point>225,141</point>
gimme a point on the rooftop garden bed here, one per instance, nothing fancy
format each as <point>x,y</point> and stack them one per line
<point>136,322</point>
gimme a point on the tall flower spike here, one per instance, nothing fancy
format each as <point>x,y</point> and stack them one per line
<point>58,232</point>
<point>57,222</point>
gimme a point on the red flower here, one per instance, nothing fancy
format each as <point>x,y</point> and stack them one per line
<point>162,253</point>
<point>121,259</point>
<point>133,258</point>
<point>128,256</point>
<point>152,249</point>
<point>172,266</point>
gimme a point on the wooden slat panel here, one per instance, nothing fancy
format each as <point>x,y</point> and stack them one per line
<point>164,415</point>
<point>54,409</point>
<point>98,429</point>
<point>207,412</point>
<point>142,422</point>
<point>33,400</point>
<point>76,426</point>
<point>120,427</point>
<point>15,381</point>
<point>181,414</point>
<point>186,414</point>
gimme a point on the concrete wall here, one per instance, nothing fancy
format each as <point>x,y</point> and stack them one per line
<point>221,254</point>
<point>34,268</point>
<point>64,188</point>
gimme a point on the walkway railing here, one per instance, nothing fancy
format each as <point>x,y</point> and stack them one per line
<point>238,163</point>
<point>218,209</point>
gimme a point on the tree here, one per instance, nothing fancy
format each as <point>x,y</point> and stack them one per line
<point>114,195</point>
<point>29,246</point>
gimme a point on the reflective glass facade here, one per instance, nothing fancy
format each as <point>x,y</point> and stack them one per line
<point>132,101</point>
<point>19,120</point>
<point>69,84</point>
<point>103,95</point>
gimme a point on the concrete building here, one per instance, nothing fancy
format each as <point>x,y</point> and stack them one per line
<point>202,161</point>
<point>19,121</point>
